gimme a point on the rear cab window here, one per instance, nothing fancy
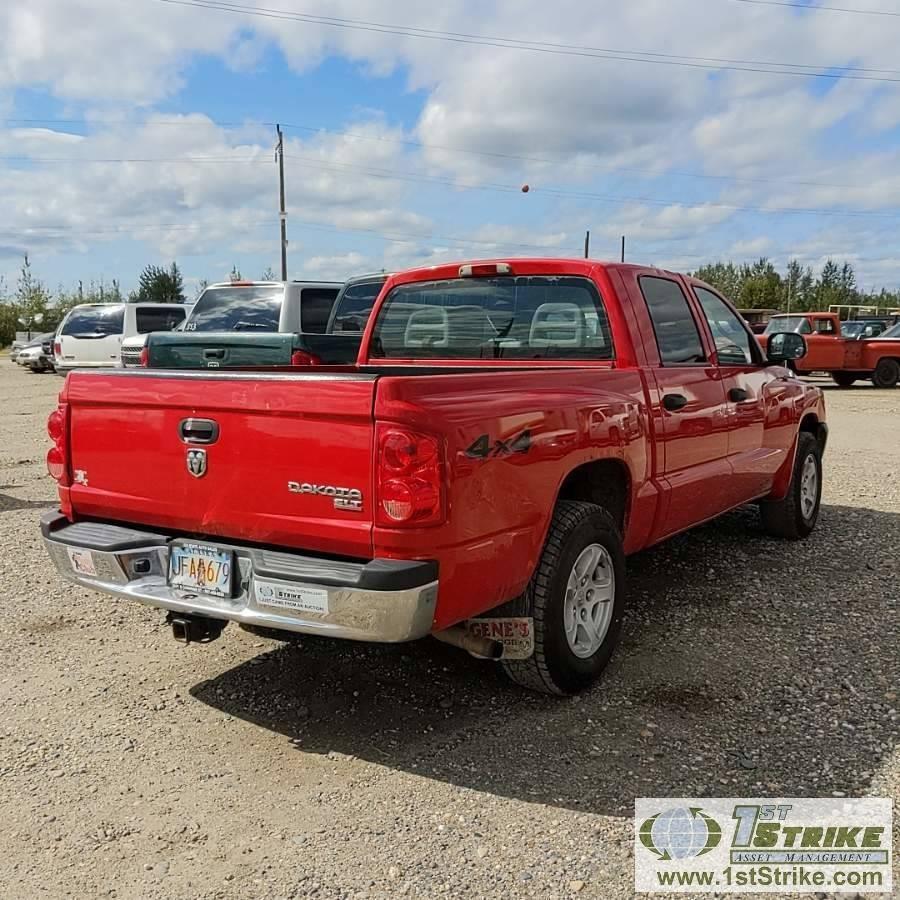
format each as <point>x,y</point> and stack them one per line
<point>94,321</point>
<point>521,317</point>
<point>237,308</point>
<point>149,318</point>
<point>677,335</point>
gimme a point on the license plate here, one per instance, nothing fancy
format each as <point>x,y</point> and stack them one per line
<point>206,570</point>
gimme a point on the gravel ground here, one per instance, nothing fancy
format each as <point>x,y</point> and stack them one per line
<point>131,766</point>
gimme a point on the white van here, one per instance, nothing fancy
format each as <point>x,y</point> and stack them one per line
<point>90,334</point>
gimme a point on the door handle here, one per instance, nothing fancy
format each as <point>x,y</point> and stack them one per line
<point>214,353</point>
<point>738,395</point>
<point>674,402</point>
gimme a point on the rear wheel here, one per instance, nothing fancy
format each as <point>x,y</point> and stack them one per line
<point>886,374</point>
<point>796,515</point>
<point>843,379</point>
<point>576,598</point>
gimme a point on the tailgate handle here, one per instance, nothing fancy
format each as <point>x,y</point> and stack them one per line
<point>214,353</point>
<point>198,431</point>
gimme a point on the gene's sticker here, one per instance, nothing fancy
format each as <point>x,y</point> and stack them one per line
<point>516,633</point>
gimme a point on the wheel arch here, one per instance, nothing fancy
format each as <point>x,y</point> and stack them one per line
<point>885,358</point>
<point>809,424</point>
<point>606,482</point>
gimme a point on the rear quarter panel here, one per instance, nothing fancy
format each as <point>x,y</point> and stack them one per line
<point>499,507</point>
<point>874,350</point>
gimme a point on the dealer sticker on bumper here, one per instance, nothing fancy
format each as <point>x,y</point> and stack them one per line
<point>82,561</point>
<point>283,596</point>
<point>516,633</point>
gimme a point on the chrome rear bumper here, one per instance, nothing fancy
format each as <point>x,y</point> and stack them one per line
<point>382,600</point>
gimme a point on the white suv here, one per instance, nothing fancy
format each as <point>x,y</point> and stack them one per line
<point>90,335</point>
<point>264,306</point>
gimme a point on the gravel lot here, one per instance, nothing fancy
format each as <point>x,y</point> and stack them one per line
<point>131,766</point>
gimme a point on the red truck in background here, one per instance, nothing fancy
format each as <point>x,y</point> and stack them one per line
<point>847,360</point>
<point>509,432</point>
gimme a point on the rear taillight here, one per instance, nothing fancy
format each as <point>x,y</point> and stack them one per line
<point>145,356</point>
<point>302,358</point>
<point>57,348</point>
<point>57,455</point>
<point>409,478</point>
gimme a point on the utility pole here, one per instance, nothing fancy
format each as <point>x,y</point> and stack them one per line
<point>587,244</point>
<point>279,155</point>
<point>623,248</point>
<point>790,285</point>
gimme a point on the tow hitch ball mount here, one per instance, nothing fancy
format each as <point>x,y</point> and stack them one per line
<point>188,629</point>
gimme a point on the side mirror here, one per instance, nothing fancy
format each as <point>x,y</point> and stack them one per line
<point>785,346</point>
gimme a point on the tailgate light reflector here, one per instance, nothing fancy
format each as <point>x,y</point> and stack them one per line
<point>302,358</point>
<point>480,270</point>
<point>57,455</point>
<point>145,356</point>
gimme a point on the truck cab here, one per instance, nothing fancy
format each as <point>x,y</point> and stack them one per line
<point>824,341</point>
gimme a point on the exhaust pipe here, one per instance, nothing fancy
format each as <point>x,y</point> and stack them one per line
<point>482,647</point>
<point>187,629</point>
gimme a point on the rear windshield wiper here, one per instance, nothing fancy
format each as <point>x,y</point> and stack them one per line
<point>239,326</point>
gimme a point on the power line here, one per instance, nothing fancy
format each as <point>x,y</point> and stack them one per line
<point>810,8</point>
<point>133,159</point>
<point>649,57</point>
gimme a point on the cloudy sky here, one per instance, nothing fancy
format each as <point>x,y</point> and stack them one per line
<point>136,131</point>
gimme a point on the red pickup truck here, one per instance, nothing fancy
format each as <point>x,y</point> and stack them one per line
<point>847,360</point>
<point>509,432</point>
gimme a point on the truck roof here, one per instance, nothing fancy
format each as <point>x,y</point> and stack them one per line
<point>546,263</point>
<point>249,283</point>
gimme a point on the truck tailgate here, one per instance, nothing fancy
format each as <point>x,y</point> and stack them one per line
<point>285,444</point>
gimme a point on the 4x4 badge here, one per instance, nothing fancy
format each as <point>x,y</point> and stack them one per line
<point>196,463</point>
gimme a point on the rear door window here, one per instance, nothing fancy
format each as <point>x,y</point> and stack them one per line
<point>526,317</point>
<point>315,308</point>
<point>248,308</point>
<point>94,321</point>
<point>677,335</point>
<point>157,318</point>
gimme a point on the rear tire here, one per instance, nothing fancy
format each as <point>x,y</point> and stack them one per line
<point>796,515</point>
<point>843,379</point>
<point>576,598</point>
<point>886,374</point>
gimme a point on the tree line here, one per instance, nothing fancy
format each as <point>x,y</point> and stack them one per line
<point>759,285</point>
